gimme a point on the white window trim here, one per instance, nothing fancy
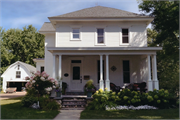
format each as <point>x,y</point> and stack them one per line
<point>18,74</point>
<point>71,33</point>
<point>96,40</point>
<point>129,39</point>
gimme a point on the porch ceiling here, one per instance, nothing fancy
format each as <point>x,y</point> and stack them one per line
<point>104,50</point>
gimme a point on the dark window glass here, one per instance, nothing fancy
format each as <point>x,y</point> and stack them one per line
<point>42,69</point>
<point>75,35</point>
<point>75,61</point>
<point>18,74</point>
<point>125,31</point>
<point>126,71</point>
<point>125,40</point>
<point>100,40</point>
<point>98,69</point>
<point>76,73</point>
<point>100,35</point>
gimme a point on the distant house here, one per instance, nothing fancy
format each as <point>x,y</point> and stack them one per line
<point>15,75</point>
<point>99,43</point>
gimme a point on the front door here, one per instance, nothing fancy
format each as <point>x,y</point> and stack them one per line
<point>76,78</point>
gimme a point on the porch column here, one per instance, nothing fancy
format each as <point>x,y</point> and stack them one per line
<point>54,66</point>
<point>101,83</point>
<point>60,71</point>
<point>149,82</point>
<point>107,73</point>
<point>154,68</point>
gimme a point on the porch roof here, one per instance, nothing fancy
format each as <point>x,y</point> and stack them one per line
<point>104,50</point>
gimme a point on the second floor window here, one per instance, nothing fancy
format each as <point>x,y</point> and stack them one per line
<point>100,35</point>
<point>76,33</point>
<point>125,38</point>
<point>18,74</point>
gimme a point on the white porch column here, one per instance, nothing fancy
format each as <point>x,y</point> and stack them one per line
<point>60,70</point>
<point>4,85</point>
<point>101,82</point>
<point>149,82</point>
<point>107,73</point>
<point>154,68</point>
<point>54,66</point>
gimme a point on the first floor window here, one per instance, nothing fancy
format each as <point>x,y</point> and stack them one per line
<point>126,71</point>
<point>100,35</point>
<point>125,38</point>
<point>76,33</point>
<point>42,69</point>
<point>18,74</point>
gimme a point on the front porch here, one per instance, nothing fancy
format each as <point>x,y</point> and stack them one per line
<point>120,67</point>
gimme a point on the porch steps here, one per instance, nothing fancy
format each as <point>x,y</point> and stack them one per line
<point>73,102</point>
<point>74,93</point>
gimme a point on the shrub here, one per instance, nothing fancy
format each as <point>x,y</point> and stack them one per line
<point>48,104</point>
<point>40,83</point>
<point>27,100</point>
<point>89,86</point>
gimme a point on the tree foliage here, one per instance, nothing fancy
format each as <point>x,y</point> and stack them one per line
<point>20,45</point>
<point>165,33</point>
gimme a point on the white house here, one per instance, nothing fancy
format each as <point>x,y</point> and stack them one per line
<point>15,75</point>
<point>99,43</point>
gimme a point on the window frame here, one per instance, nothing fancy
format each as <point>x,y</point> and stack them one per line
<point>71,35</point>
<point>121,37</point>
<point>96,37</point>
<point>18,74</point>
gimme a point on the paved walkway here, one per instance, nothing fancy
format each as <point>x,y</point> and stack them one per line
<point>68,114</point>
<point>11,95</point>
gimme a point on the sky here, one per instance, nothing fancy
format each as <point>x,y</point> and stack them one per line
<point>20,13</point>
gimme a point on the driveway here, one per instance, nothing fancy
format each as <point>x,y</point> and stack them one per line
<point>11,95</point>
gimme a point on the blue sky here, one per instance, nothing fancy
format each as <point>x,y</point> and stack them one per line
<point>20,13</point>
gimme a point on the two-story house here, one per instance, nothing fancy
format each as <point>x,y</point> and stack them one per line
<point>99,43</point>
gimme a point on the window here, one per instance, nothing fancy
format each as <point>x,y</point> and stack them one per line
<point>100,35</point>
<point>42,69</point>
<point>98,70</point>
<point>18,74</point>
<point>75,61</point>
<point>76,33</point>
<point>125,38</point>
<point>76,73</point>
<point>126,71</point>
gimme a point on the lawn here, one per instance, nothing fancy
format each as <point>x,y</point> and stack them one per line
<point>12,109</point>
<point>131,114</point>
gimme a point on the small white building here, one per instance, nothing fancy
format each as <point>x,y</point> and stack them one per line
<point>15,75</point>
<point>99,43</point>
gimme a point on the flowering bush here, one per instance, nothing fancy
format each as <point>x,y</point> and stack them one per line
<point>40,83</point>
<point>157,98</point>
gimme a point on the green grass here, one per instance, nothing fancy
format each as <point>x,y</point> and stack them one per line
<point>12,109</point>
<point>131,114</point>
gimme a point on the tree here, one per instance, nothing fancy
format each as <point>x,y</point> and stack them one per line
<point>165,33</point>
<point>22,45</point>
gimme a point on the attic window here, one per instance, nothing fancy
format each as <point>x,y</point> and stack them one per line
<point>18,74</point>
<point>125,38</point>
<point>76,33</point>
<point>18,67</point>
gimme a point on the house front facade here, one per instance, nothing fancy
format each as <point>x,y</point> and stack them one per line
<point>104,44</point>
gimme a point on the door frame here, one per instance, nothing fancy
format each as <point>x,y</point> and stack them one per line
<point>71,71</point>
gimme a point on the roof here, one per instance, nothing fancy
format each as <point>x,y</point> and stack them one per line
<point>38,59</point>
<point>98,12</point>
<point>29,67</point>
<point>47,26</point>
